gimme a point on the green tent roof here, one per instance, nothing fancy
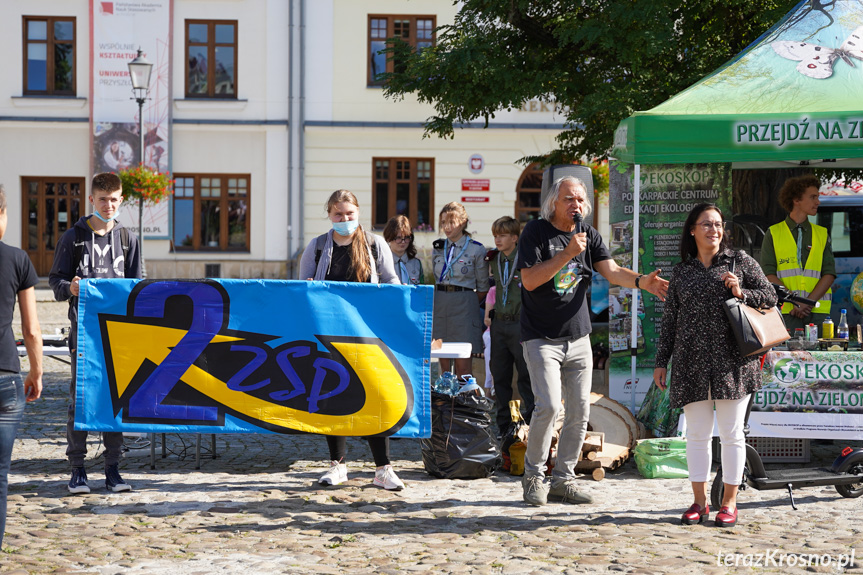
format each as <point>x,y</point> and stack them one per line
<point>795,94</point>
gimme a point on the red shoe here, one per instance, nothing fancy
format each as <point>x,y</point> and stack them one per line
<point>695,514</point>
<point>726,518</point>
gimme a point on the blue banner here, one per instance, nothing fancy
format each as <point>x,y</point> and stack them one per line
<point>254,356</point>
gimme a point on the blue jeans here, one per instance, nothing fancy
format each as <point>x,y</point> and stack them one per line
<point>11,411</point>
<point>559,369</point>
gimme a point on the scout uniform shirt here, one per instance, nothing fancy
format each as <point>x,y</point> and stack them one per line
<point>464,265</point>
<point>507,301</point>
<point>412,267</point>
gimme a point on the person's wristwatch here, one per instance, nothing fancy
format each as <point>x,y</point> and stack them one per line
<point>637,280</point>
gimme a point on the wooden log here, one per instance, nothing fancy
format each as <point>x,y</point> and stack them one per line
<point>593,441</point>
<point>590,455</point>
<point>598,474</point>
<point>622,411</point>
<point>585,465</point>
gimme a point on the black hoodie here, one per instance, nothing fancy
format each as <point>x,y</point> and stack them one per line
<point>102,257</point>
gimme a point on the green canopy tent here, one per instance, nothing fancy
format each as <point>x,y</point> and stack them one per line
<point>793,96</point>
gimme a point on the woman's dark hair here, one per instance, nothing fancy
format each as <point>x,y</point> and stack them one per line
<point>688,248</point>
<point>401,225</point>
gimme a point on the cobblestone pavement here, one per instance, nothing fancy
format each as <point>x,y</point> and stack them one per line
<point>257,508</point>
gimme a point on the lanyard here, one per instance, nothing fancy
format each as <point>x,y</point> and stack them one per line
<point>447,268</point>
<point>507,275</point>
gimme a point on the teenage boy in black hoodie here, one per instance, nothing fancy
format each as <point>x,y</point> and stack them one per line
<point>95,247</point>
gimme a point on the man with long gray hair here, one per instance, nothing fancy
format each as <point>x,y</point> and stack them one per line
<point>557,255</point>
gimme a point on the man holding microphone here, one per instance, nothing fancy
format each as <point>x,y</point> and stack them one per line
<point>557,256</point>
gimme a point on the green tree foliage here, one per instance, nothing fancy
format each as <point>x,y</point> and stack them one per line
<point>601,59</point>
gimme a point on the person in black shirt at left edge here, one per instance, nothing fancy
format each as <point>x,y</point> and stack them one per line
<point>17,279</point>
<point>97,246</point>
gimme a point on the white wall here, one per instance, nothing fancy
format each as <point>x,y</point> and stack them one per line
<point>342,158</point>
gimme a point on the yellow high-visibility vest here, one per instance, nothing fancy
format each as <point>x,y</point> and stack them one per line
<point>800,280</point>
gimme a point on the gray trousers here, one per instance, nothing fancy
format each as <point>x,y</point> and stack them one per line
<point>76,440</point>
<point>559,369</point>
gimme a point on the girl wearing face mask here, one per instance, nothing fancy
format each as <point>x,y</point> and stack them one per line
<point>348,253</point>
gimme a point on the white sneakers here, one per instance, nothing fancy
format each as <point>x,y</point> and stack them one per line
<point>384,476</point>
<point>337,474</point>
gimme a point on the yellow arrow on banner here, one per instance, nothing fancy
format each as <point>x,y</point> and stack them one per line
<point>386,394</point>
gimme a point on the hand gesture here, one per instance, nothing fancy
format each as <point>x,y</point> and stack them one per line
<point>654,284</point>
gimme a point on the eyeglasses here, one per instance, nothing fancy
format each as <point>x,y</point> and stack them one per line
<point>707,226</point>
<point>403,238</point>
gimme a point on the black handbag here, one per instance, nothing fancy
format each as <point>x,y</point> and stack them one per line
<point>756,330</point>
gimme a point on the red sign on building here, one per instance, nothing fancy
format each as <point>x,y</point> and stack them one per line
<point>474,199</point>
<point>475,185</point>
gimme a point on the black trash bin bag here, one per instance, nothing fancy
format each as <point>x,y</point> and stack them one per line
<point>462,444</point>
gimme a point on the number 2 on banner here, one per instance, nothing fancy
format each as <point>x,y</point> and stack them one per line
<point>207,317</point>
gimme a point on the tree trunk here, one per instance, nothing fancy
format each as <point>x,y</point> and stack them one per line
<point>755,204</point>
<point>756,192</point>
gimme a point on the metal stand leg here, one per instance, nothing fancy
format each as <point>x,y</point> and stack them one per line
<point>197,451</point>
<point>153,450</point>
<point>164,447</point>
<point>791,495</point>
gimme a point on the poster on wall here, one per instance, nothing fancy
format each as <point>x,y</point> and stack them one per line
<point>668,193</point>
<point>216,356</point>
<point>118,30</point>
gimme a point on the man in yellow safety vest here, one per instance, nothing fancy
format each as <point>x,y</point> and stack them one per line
<point>798,254</point>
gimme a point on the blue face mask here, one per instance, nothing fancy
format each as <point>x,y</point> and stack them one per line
<point>107,220</point>
<point>346,228</point>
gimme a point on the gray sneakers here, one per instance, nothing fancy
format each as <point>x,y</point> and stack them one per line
<point>535,491</point>
<point>567,493</point>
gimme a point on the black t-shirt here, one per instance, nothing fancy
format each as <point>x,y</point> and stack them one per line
<point>340,265</point>
<point>16,274</point>
<point>558,308</point>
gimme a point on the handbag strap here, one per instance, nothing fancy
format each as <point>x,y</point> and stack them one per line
<point>731,270</point>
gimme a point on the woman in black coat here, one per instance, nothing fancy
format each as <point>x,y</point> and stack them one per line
<point>708,369</point>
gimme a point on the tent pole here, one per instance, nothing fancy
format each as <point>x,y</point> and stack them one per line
<point>635,293</point>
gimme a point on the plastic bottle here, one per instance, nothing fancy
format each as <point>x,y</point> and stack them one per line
<point>445,383</point>
<point>813,333</point>
<point>827,329</point>
<point>471,386</point>
<point>842,330</point>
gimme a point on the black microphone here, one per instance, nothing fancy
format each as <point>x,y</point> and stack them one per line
<point>577,218</point>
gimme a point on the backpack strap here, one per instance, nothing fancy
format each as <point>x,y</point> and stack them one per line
<point>319,247</point>
<point>77,249</point>
<point>124,243</point>
<point>370,238</point>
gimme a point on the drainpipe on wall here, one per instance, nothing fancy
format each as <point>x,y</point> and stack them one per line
<point>296,109</point>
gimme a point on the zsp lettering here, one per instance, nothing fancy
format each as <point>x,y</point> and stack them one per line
<point>172,359</point>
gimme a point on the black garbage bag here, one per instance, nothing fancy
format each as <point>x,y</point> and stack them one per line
<point>462,444</point>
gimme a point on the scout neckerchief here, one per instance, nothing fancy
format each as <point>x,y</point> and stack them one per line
<point>507,275</point>
<point>403,269</point>
<point>447,268</point>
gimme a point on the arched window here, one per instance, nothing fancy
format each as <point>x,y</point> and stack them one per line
<point>527,194</point>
